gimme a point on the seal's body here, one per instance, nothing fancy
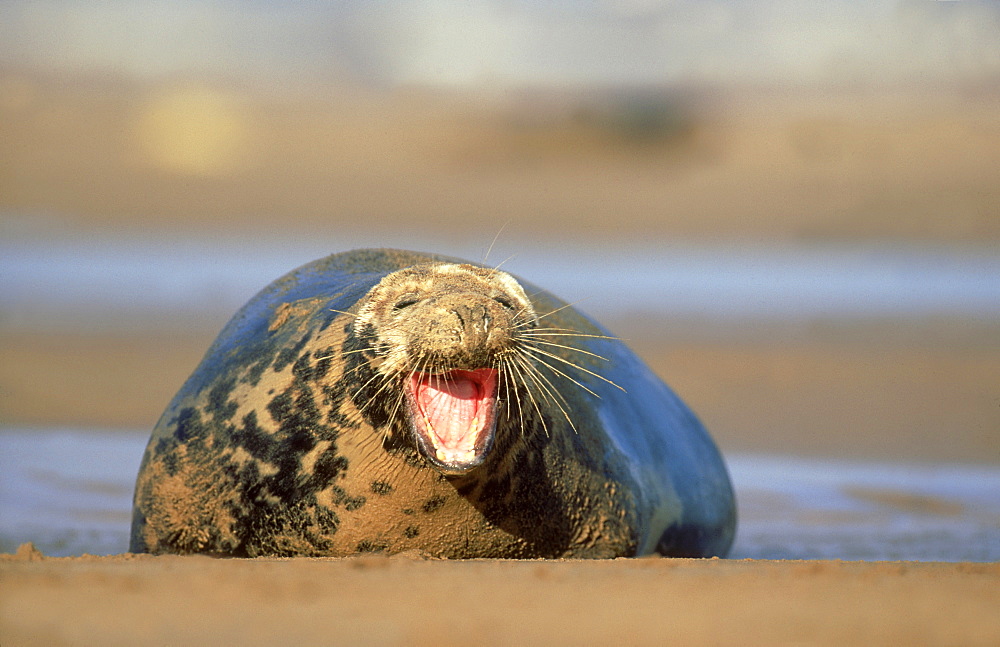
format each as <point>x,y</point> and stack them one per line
<point>389,401</point>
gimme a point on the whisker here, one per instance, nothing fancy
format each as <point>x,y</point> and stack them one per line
<point>568,305</point>
<point>494,242</point>
<point>562,332</point>
<point>353,370</point>
<point>565,375</point>
<point>551,394</point>
<point>500,366</point>
<point>532,369</point>
<point>572,348</point>
<point>496,268</point>
<point>515,376</point>
<point>372,379</point>
<point>345,352</point>
<point>519,364</point>
<point>533,350</point>
<point>395,410</point>
<point>532,373</point>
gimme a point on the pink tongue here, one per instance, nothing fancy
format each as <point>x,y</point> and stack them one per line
<point>450,405</point>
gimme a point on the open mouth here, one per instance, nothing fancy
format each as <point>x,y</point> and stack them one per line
<point>454,416</point>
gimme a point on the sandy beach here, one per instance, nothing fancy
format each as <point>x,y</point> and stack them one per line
<point>392,601</point>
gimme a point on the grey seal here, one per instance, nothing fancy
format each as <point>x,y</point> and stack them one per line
<point>391,401</point>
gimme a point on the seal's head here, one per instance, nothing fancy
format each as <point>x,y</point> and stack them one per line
<point>442,338</point>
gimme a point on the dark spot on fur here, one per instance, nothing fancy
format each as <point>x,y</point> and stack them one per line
<point>172,463</point>
<point>434,503</point>
<point>368,546</point>
<point>256,370</point>
<point>298,418</point>
<point>189,425</point>
<point>280,406</point>
<point>366,336</point>
<point>254,439</point>
<point>328,466</point>
<point>284,358</point>
<point>302,369</point>
<point>288,354</point>
<point>327,519</point>
<point>333,397</point>
<point>250,473</point>
<point>324,360</point>
<point>352,503</point>
<point>219,405</point>
<point>407,510</point>
<point>381,488</point>
<point>411,532</point>
<point>413,458</point>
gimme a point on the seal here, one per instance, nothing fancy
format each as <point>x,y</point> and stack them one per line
<point>391,401</point>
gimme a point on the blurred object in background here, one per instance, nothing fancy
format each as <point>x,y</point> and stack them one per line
<point>676,118</point>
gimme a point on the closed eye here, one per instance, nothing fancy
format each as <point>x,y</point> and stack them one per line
<point>504,302</point>
<point>404,303</point>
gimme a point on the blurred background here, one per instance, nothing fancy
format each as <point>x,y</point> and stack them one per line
<point>790,209</point>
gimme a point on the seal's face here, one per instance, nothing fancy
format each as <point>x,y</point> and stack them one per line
<point>445,337</point>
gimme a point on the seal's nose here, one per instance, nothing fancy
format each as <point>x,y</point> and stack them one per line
<point>465,329</point>
<point>474,322</point>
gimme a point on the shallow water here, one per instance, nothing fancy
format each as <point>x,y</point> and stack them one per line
<point>70,491</point>
<point>111,283</point>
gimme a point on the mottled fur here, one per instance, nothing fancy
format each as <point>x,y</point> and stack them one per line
<point>290,438</point>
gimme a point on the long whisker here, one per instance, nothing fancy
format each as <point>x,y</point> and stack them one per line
<point>553,395</point>
<point>353,370</point>
<point>533,350</point>
<point>572,348</point>
<point>562,332</point>
<point>568,305</point>
<point>534,320</point>
<point>395,410</point>
<point>344,352</point>
<point>563,374</point>
<point>540,382</point>
<point>497,267</point>
<point>376,376</point>
<point>494,242</point>
<point>521,365</point>
<point>515,377</point>
<point>520,407</point>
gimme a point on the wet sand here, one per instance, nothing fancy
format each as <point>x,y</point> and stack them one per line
<point>378,600</point>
